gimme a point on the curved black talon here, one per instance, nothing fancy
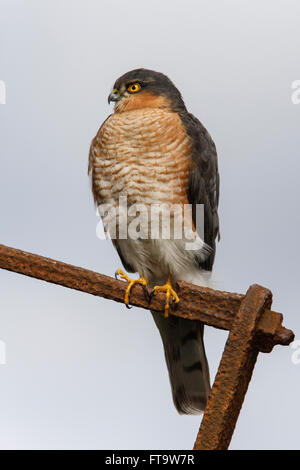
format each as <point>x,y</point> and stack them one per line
<point>151,295</point>
<point>128,305</point>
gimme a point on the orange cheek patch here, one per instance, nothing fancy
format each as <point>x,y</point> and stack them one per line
<point>142,100</point>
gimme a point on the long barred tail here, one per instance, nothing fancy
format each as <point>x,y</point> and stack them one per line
<point>186,361</point>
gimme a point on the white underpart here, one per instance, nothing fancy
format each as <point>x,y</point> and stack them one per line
<point>157,259</point>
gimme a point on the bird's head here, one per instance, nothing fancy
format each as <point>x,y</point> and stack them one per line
<point>142,88</point>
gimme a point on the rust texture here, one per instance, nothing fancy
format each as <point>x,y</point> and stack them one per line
<point>253,327</point>
<point>234,373</point>
<point>212,307</point>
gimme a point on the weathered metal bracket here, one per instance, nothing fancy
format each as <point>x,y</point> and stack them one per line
<point>252,326</point>
<point>234,373</point>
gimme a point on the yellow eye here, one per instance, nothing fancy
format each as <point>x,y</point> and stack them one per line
<point>134,87</point>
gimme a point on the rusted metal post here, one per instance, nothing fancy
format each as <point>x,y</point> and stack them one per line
<point>234,373</point>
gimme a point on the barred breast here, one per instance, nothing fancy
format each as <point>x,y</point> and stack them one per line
<point>142,154</point>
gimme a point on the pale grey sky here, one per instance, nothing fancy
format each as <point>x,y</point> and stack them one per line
<point>83,372</point>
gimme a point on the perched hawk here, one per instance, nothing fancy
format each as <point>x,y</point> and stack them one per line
<point>152,151</point>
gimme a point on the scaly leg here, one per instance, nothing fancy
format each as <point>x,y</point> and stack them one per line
<point>131,283</point>
<point>170,292</point>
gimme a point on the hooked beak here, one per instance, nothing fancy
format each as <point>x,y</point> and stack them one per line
<point>114,96</point>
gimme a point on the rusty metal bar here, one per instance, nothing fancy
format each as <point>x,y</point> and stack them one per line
<point>212,307</point>
<point>234,373</point>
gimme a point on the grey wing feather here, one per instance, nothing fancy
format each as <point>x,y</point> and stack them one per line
<point>204,182</point>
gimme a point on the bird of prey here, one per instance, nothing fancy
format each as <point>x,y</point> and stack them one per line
<point>152,151</point>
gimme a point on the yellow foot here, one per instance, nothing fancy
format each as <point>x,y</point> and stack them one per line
<point>131,283</point>
<point>170,292</point>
